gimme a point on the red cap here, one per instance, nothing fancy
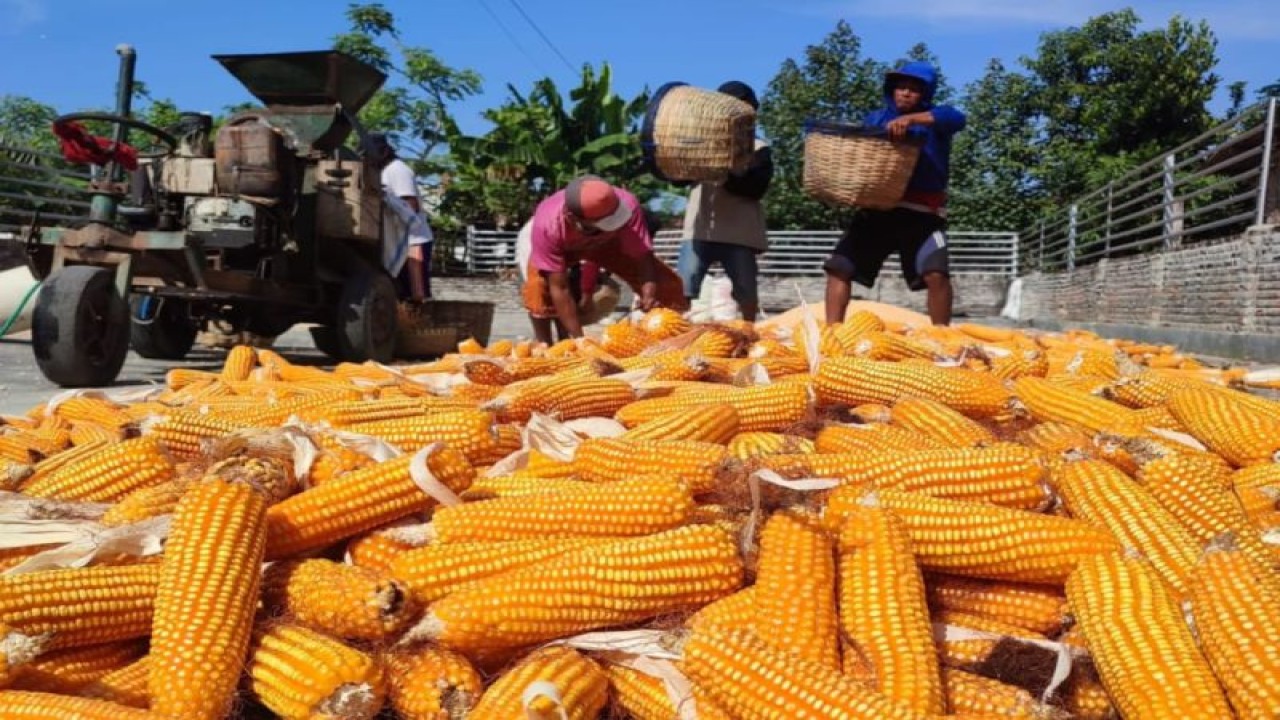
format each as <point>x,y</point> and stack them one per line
<point>594,201</point>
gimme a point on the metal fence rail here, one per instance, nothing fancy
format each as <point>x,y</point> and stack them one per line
<point>791,252</point>
<point>1210,187</point>
<point>37,182</point>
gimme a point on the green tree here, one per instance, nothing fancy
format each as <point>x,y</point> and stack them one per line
<point>539,141</point>
<point>25,123</point>
<point>1269,91</point>
<point>991,188</point>
<point>414,105</point>
<point>834,82</point>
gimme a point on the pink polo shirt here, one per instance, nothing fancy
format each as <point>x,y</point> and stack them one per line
<point>556,241</point>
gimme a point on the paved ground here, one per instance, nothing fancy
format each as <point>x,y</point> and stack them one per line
<point>22,385</point>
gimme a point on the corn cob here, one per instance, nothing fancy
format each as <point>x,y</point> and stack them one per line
<point>828,343</point>
<point>345,601</point>
<point>746,677</point>
<point>990,542</point>
<point>565,399</point>
<point>106,475</point>
<point>698,464</point>
<point>434,571</point>
<point>638,506</point>
<point>1005,474</point>
<point>429,683</point>
<point>764,408</point>
<point>68,671</point>
<point>239,364</point>
<point>126,685</point>
<point>205,602</point>
<point>93,410</point>
<point>644,697</point>
<point>359,501</point>
<point>81,606</point>
<point>486,372</point>
<point>795,590</point>
<point>1021,362</point>
<point>980,654</point>
<point>352,412</point>
<point>1192,490</point>
<point>720,341</point>
<point>748,445</point>
<point>1037,608</point>
<point>1236,608</point>
<point>184,432</point>
<point>542,465</point>
<point>1235,428</point>
<point>22,705</point>
<point>1258,489</point>
<point>713,423</point>
<point>614,584</point>
<point>84,433</point>
<point>883,609</point>
<point>969,693</point>
<point>854,381</point>
<point>1050,402</point>
<point>663,323</point>
<point>1140,642</point>
<point>300,674</point>
<point>888,346</point>
<point>935,420</point>
<point>1084,697</point>
<point>581,686</point>
<point>376,550</point>
<point>145,503</point>
<point>517,484</point>
<point>1098,493</point>
<point>467,431</point>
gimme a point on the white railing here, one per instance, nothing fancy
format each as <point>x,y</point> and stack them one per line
<point>790,253</point>
<point>1213,186</point>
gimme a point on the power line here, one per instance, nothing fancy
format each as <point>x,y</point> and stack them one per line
<point>512,37</point>
<point>545,39</point>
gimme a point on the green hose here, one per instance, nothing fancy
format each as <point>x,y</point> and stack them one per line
<point>4,329</point>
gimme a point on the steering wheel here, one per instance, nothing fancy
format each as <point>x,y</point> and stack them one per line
<point>168,141</point>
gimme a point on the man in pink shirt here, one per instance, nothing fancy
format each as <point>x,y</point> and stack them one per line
<point>592,221</point>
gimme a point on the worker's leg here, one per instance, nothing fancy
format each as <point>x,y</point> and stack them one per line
<point>740,265</point>
<point>926,262</point>
<point>541,329</point>
<point>692,267</point>
<point>856,258</point>
<point>415,269</point>
<point>428,250</point>
<point>537,301</point>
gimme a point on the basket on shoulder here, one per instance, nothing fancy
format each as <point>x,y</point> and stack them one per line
<point>855,165</point>
<point>696,135</point>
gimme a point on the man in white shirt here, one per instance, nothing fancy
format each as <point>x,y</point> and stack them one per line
<point>398,180</point>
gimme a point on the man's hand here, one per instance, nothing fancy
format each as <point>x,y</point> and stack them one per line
<point>648,295</point>
<point>587,305</point>
<point>898,126</point>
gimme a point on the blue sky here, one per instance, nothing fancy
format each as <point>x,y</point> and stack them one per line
<point>61,51</point>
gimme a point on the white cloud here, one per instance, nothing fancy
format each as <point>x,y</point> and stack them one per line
<point>1230,19</point>
<point>20,15</point>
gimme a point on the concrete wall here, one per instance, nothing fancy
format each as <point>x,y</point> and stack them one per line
<point>1219,298</point>
<point>975,295</point>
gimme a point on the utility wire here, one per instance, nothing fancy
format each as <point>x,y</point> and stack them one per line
<point>512,37</point>
<point>520,9</point>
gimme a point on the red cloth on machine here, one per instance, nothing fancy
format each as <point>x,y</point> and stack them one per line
<point>78,146</point>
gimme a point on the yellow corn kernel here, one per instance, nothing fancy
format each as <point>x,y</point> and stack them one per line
<point>935,420</point>
<point>733,611</point>
<point>581,687</point>
<point>358,502</point>
<point>48,706</point>
<point>645,697</point>
<point>80,606</point>
<point>126,685</point>
<point>145,503</point>
<point>871,437</point>
<point>614,584</point>
<point>430,683</point>
<point>796,589</point>
<point>563,399</point>
<point>376,550</point>
<point>1099,493</point>
<point>106,475</point>
<point>518,484</point>
<point>184,433</point>
<point>1236,606</point>
<point>1050,402</point>
<point>986,541</point>
<point>1140,642</point>
<point>69,671</point>
<point>968,693</point>
<point>1229,423</point>
<point>300,674</point>
<point>436,570</point>
<point>763,408</point>
<point>625,340</point>
<point>206,599</point>
<point>883,610</point>
<point>348,602</point>
<point>978,654</point>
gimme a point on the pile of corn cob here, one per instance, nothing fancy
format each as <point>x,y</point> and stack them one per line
<point>861,520</point>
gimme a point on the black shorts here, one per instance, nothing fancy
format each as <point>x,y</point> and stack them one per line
<point>873,235</point>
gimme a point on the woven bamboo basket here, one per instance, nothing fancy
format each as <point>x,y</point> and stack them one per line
<point>856,166</point>
<point>697,135</point>
<point>436,327</point>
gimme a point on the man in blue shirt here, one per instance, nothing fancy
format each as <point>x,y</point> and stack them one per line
<point>914,228</point>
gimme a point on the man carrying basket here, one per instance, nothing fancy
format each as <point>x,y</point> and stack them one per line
<point>914,228</point>
<point>592,221</point>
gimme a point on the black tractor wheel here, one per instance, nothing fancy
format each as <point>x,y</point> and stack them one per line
<point>80,327</point>
<point>365,326</point>
<point>160,328</point>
